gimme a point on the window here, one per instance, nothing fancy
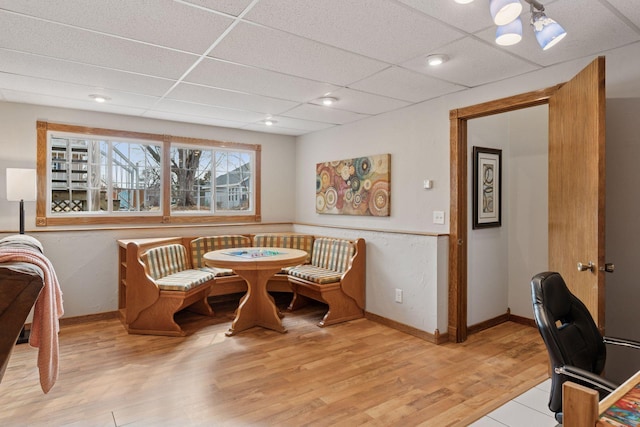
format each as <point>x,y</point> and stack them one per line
<point>102,176</point>
<point>210,180</point>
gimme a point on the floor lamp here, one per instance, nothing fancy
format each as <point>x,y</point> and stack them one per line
<point>21,187</point>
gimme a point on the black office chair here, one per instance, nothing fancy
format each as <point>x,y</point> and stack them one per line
<point>576,348</point>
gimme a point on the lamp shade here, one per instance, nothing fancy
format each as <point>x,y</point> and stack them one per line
<point>548,32</point>
<point>504,11</point>
<point>510,34</point>
<point>21,185</point>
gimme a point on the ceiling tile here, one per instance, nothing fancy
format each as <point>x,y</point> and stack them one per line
<point>71,72</point>
<point>187,108</point>
<point>407,85</point>
<point>123,18</point>
<point>190,118</point>
<point>232,7</point>
<point>489,63</point>
<point>274,129</point>
<point>60,102</point>
<point>227,75</point>
<point>361,102</point>
<point>73,91</point>
<point>277,51</point>
<point>64,42</point>
<point>299,124</point>
<point>382,30</point>
<point>323,114</point>
<point>629,8</point>
<point>229,99</point>
<point>469,17</point>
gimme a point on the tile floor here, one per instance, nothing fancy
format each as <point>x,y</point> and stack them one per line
<point>527,410</point>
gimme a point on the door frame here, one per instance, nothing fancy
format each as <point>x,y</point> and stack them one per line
<point>457,314</point>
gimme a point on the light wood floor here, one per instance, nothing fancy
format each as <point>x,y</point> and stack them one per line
<point>356,373</point>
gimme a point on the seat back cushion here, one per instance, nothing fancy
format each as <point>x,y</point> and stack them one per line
<point>339,256</point>
<point>332,254</point>
<point>303,242</point>
<point>165,260</point>
<point>202,245</point>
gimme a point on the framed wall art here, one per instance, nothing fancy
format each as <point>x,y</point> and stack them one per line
<point>359,186</point>
<point>487,187</point>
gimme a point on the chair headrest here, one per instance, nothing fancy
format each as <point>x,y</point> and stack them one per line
<point>550,290</point>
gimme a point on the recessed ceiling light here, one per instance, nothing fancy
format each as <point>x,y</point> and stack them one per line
<point>328,100</point>
<point>269,122</point>
<point>435,60</point>
<point>99,98</point>
<point>463,1</point>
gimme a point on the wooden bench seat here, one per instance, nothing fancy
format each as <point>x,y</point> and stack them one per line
<point>226,281</point>
<point>161,284</point>
<point>279,282</point>
<point>336,276</point>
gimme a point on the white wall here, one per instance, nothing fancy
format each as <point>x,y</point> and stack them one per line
<point>86,261</point>
<point>487,248</point>
<point>417,138</point>
<point>527,206</point>
<point>501,261</point>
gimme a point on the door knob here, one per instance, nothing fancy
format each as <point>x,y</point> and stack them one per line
<point>585,267</point>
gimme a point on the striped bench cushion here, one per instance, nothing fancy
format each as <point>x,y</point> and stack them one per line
<point>332,254</point>
<point>284,240</point>
<point>218,272</point>
<point>165,260</point>
<point>202,245</point>
<point>315,274</point>
<point>183,280</point>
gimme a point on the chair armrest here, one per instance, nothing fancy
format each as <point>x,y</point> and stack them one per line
<point>588,377</point>
<point>622,342</point>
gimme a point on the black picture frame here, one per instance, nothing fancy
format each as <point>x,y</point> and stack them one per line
<point>487,187</point>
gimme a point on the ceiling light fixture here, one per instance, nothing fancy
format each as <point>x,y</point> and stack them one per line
<point>548,32</point>
<point>510,34</point>
<point>437,59</point>
<point>506,14</point>
<point>463,1</point>
<point>99,98</point>
<point>504,11</point>
<point>269,122</point>
<point>328,100</point>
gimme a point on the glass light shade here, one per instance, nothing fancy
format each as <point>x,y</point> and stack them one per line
<point>504,11</point>
<point>548,32</point>
<point>21,185</point>
<point>510,34</point>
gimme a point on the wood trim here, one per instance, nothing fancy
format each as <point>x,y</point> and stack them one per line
<point>458,118</point>
<point>43,220</point>
<point>87,318</point>
<point>258,184</point>
<point>458,229</point>
<point>522,320</point>
<point>60,127</point>
<point>435,338</point>
<point>490,323</point>
<point>41,171</point>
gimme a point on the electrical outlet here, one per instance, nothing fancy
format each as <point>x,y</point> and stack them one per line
<point>438,217</point>
<point>399,295</point>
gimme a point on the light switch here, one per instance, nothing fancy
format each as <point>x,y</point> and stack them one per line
<point>438,217</point>
<point>428,184</point>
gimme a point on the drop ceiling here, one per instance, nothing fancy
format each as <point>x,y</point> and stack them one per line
<point>235,63</point>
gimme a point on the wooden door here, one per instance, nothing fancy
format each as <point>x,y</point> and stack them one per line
<point>577,187</point>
